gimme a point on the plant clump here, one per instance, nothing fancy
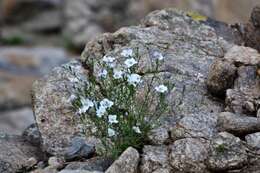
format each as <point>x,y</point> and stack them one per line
<point>122,105</point>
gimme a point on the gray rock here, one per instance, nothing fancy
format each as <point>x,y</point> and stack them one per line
<point>242,56</point>
<point>195,125</point>
<point>15,154</point>
<point>241,102</point>
<point>155,159</point>
<point>55,162</point>
<point>253,140</point>
<point>14,122</point>
<point>32,135</point>
<point>221,77</point>
<point>189,155</point>
<point>227,152</point>
<point>238,124</point>
<point>127,162</point>
<point>51,94</point>
<point>159,135</point>
<point>78,149</point>
<point>93,164</point>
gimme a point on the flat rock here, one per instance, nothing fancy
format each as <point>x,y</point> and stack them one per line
<point>243,55</point>
<point>127,162</point>
<point>93,164</point>
<point>195,125</point>
<point>238,124</point>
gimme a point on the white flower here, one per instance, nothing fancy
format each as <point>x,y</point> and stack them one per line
<point>161,88</point>
<point>118,74</point>
<point>100,111</point>
<point>111,132</point>
<point>130,62</point>
<point>134,79</point>
<point>158,55</point>
<point>102,73</point>
<point>72,97</point>
<point>136,129</point>
<point>106,103</point>
<point>108,59</point>
<point>112,119</point>
<point>127,52</point>
<point>86,104</point>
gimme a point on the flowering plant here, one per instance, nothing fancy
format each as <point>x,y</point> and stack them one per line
<point>120,103</point>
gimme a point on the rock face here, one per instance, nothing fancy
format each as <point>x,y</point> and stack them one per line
<point>188,138</point>
<point>187,56</point>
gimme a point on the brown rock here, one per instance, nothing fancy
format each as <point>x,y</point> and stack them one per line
<point>238,124</point>
<point>221,77</point>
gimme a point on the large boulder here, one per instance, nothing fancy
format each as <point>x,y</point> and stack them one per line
<point>189,48</point>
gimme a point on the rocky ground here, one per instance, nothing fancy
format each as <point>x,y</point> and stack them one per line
<point>214,122</point>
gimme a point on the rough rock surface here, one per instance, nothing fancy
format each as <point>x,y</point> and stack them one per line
<point>189,155</point>
<point>155,159</point>
<point>227,152</point>
<point>127,162</point>
<point>221,77</point>
<point>55,120</point>
<point>253,140</point>
<point>238,124</point>
<point>189,47</point>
